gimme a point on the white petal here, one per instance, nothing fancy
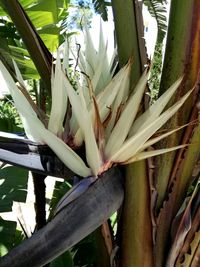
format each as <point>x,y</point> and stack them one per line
<point>84,119</point>
<point>23,106</point>
<point>106,98</point>
<point>160,137</point>
<point>66,154</point>
<point>18,74</point>
<point>155,110</point>
<point>127,117</point>
<point>59,101</point>
<point>152,153</point>
<point>66,56</point>
<point>90,52</point>
<point>37,132</point>
<point>133,144</point>
<point>92,152</point>
<point>120,99</point>
<point>63,151</point>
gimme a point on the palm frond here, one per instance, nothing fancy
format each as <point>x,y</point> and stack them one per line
<point>100,7</point>
<point>158,11</point>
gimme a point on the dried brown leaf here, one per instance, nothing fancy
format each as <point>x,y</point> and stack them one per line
<point>183,228</point>
<point>190,236</point>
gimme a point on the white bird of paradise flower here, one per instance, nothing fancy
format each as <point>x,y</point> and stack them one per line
<point>105,119</point>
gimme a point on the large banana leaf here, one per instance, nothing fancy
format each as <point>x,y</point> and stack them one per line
<point>45,16</point>
<point>12,189</point>
<point>13,181</point>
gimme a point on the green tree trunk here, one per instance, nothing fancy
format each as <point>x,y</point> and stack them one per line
<point>135,230</point>
<point>174,170</point>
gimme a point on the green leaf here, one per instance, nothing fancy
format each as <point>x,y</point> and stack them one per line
<point>65,260</point>
<point>87,252</point>
<point>100,7</point>
<point>43,13</point>
<point>13,187</point>
<point>60,189</point>
<point>50,36</point>
<point>7,235</point>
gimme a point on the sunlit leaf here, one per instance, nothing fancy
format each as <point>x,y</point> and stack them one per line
<point>14,183</point>
<point>7,235</point>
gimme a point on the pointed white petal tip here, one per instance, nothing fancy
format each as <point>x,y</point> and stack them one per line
<point>152,153</point>
<point>134,144</point>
